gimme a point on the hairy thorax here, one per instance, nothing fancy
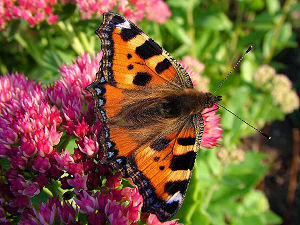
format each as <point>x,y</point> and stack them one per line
<point>164,108</point>
<point>186,103</point>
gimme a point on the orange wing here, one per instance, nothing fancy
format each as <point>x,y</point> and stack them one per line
<point>131,59</point>
<point>162,171</point>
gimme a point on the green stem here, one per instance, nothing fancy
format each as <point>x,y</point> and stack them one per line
<point>209,195</point>
<point>213,188</point>
<point>191,32</point>
<point>67,30</point>
<point>286,8</point>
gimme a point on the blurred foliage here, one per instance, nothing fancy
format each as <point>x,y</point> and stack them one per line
<point>217,33</point>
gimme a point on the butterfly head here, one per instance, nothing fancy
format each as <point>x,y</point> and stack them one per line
<point>211,100</point>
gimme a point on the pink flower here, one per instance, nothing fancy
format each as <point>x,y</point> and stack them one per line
<point>152,220</point>
<point>32,122</point>
<point>69,92</point>
<point>135,202</point>
<point>36,11</point>
<point>19,161</point>
<point>55,172</point>
<point>75,168</point>
<point>195,70</point>
<point>9,136</point>
<point>31,189</point>
<point>20,202</point>
<point>90,148</point>
<point>96,219</point>
<point>87,203</point>
<point>212,131</point>
<point>41,164</point>
<point>78,182</point>
<point>28,217</point>
<point>94,180</point>
<point>81,129</point>
<point>113,181</point>
<point>67,213</point>
<point>42,180</point>
<point>64,159</point>
<point>33,12</point>
<point>160,9</point>
<point>47,212</point>
<point>156,10</point>
<point>52,19</point>
<point>113,211</point>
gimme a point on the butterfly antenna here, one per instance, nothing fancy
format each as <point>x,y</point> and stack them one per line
<point>237,63</point>
<point>262,133</point>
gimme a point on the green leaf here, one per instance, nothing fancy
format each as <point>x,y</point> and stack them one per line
<point>42,197</point>
<point>248,68</point>
<point>273,6</point>
<point>255,202</point>
<point>200,217</point>
<point>285,34</point>
<point>178,32</point>
<point>267,43</point>
<point>5,164</point>
<point>71,146</point>
<point>272,218</point>
<point>238,179</point>
<point>216,21</point>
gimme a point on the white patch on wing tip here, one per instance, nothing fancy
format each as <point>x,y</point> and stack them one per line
<point>177,197</point>
<point>125,24</point>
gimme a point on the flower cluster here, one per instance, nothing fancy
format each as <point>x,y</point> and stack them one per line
<point>33,11</point>
<point>212,131</point>
<point>39,127</point>
<point>156,10</point>
<point>279,86</point>
<point>36,11</point>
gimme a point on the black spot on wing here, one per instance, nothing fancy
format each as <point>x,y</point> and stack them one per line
<point>129,56</point>
<point>152,202</point>
<point>173,187</point>
<point>142,79</point>
<point>117,19</point>
<point>128,34</point>
<point>148,49</point>
<point>186,141</point>
<point>161,167</point>
<point>156,158</point>
<point>130,67</point>
<point>160,144</point>
<point>162,66</point>
<point>183,162</point>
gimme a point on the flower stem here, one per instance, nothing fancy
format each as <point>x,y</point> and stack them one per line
<point>286,8</point>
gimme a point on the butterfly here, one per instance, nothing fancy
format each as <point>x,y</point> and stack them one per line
<point>151,114</point>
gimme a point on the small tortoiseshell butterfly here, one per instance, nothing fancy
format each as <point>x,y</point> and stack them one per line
<point>152,115</point>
